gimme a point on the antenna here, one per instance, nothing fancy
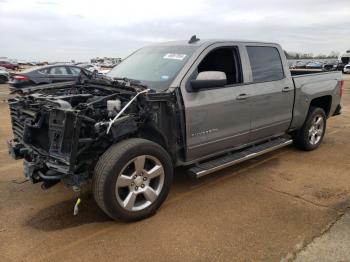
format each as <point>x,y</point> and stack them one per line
<point>193,39</point>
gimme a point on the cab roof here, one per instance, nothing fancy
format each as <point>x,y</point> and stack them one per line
<point>208,42</point>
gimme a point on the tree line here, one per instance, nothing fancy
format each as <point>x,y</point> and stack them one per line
<point>295,55</point>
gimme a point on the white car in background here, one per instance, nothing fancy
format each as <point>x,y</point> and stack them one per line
<point>105,71</point>
<point>90,67</point>
<point>346,69</point>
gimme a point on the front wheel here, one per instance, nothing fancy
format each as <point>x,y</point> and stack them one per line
<point>132,179</point>
<point>311,134</point>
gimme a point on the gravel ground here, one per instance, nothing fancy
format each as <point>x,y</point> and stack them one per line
<point>266,209</point>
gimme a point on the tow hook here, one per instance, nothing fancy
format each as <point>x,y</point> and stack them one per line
<point>76,207</point>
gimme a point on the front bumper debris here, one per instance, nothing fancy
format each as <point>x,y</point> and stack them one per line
<point>14,149</point>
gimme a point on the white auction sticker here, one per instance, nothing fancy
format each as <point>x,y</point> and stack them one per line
<point>175,56</point>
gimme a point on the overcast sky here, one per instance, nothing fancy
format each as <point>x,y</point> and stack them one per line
<point>60,30</point>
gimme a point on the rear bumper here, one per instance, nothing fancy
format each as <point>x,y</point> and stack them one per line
<point>20,84</point>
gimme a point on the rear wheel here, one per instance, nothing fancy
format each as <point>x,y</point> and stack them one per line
<point>311,134</point>
<point>132,179</point>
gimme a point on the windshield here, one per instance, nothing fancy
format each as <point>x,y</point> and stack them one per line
<point>154,66</point>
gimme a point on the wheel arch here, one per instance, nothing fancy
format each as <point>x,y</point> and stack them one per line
<point>153,134</point>
<point>324,102</point>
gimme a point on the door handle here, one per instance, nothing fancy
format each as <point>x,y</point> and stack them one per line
<point>242,97</point>
<point>286,89</point>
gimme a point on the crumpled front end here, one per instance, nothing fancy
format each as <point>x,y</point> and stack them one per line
<point>61,133</point>
<point>47,140</point>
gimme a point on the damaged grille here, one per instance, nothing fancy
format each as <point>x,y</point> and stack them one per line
<point>29,126</point>
<point>19,117</point>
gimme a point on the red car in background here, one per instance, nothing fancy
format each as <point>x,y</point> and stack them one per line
<point>8,65</point>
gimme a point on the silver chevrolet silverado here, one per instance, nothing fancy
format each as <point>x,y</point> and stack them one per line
<point>202,104</point>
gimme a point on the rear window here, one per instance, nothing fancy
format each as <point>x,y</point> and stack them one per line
<point>44,71</point>
<point>266,63</point>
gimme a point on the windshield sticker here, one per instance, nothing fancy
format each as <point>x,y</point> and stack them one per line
<point>175,56</point>
<point>164,77</point>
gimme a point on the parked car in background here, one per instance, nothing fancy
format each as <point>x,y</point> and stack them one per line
<point>90,67</point>
<point>8,65</point>
<point>4,75</point>
<point>331,66</point>
<point>45,75</point>
<point>345,58</point>
<point>314,65</point>
<point>105,71</point>
<point>346,69</point>
<point>108,64</point>
<point>22,62</point>
<point>299,64</point>
<point>341,66</point>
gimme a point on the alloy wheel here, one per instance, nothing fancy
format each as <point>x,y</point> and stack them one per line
<point>139,183</point>
<point>316,129</point>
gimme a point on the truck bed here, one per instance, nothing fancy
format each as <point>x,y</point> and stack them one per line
<point>301,71</point>
<point>313,85</point>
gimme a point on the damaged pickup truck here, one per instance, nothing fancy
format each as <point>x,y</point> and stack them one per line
<point>205,105</point>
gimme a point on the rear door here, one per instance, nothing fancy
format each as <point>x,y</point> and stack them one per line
<point>217,118</point>
<point>272,94</point>
<point>41,76</point>
<point>61,74</point>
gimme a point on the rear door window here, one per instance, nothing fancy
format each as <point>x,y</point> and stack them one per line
<point>266,63</point>
<point>44,71</point>
<point>59,70</point>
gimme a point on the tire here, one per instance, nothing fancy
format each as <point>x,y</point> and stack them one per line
<point>311,134</point>
<point>3,79</point>
<point>127,192</point>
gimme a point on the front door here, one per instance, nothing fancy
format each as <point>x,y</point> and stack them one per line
<point>217,118</point>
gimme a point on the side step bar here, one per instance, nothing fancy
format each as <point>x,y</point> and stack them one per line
<point>233,158</point>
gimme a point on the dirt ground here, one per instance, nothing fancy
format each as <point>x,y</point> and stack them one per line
<point>266,209</point>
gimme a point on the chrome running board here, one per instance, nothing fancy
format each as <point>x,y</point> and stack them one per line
<point>205,168</point>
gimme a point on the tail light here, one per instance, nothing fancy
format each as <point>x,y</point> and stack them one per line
<point>341,87</point>
<point>21,78</point>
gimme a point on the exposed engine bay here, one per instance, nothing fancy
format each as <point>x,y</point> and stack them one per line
<point>60,130</point>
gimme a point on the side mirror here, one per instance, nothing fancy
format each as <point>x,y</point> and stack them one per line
<point>209,79</point>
